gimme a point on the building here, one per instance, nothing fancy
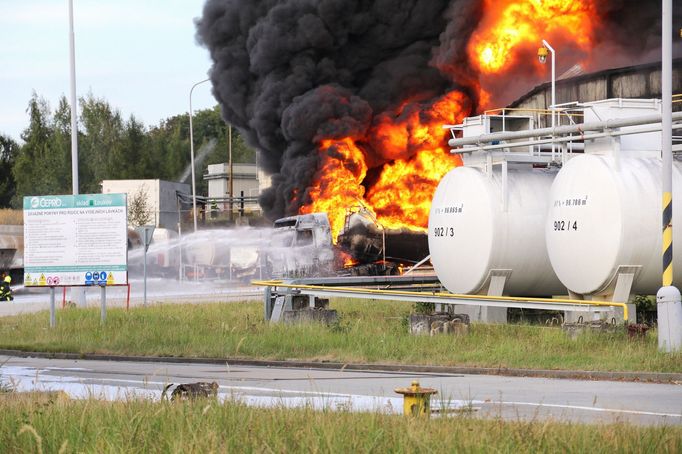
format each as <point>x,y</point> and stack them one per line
<point>162,198</point>
<point>249,182</point>
<point>639,81</point>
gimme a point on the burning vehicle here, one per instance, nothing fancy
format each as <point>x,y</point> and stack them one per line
<point>302,246</point>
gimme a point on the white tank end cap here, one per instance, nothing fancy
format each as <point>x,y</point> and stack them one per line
<point>668,294</point>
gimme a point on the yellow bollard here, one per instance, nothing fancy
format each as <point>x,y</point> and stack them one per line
<point>416,400</point>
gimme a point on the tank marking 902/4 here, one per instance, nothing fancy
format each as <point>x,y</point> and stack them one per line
<point>565,225</point>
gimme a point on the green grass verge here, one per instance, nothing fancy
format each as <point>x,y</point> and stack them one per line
<point>368,331</point>
<point>38,424</point>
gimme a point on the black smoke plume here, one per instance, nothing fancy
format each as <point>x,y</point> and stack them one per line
<point>288,72</point>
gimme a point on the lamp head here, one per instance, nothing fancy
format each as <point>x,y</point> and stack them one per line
<point>542,54</point>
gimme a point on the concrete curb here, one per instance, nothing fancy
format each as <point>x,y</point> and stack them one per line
<point>653,377</point>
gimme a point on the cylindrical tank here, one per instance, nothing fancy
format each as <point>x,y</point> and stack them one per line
<point>605,212</point>
<point>471,232</point>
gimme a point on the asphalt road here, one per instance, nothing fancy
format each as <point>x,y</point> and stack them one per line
<point>158,291</point>
<point>511,398</point>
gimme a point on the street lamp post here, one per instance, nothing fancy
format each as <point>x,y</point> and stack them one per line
<point>542,56</point>
<point>191,146</point>
<point>74,108</point>
<point>77,293</point>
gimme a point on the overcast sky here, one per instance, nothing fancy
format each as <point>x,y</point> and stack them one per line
<point>140,55</point>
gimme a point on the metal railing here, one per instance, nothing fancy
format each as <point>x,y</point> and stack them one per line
<point>327,291</point>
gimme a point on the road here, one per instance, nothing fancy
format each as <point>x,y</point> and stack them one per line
<point>158,290</point>
<point>512,398</point>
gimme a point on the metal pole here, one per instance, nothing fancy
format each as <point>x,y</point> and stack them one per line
<point>668,298</point>
<point>552,107</point>
<point>103,308</point>
<point>53,316</point>
<point>177,199</point>
<point>77,293</point>
<point>144,300</point>
<point>229,133</point>
<point>666,145</point>
<point>74,107</point>
<point>191,146</point>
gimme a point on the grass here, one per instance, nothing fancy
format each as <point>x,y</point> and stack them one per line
<point>51,424</point>
<point>369,331</point>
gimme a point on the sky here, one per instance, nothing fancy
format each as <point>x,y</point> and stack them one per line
<point>139,55</point>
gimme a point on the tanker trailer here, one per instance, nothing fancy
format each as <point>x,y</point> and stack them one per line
<point>485,240</point>
<point>366,241</point>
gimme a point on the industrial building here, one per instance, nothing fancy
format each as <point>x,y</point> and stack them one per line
<point>248,181</point>
<point>163,198</point>
<point>639,81</point>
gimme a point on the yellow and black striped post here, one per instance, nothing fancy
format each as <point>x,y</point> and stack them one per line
<point>667,239</point>
<point>667,139</point>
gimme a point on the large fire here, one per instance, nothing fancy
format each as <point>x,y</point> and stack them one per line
<point>510,26</point>
<point>400,197</point>
<point>410,137</point>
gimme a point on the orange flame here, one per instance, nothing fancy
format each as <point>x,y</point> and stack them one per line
<point>338,181</point>
<point>401,198</point>
<point>510,25</point>
<point>348,260</point>
<point>415,141</point>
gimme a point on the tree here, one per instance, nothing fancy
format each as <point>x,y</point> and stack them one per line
<point>109,148</point>
<point>102,142</point>
<point>8,152</point>
<point>139,211</point>
<point>40,163</point>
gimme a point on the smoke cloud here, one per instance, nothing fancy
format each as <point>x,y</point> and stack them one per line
<point>290,72</point>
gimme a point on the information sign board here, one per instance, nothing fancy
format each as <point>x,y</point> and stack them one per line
<point>72,240</point>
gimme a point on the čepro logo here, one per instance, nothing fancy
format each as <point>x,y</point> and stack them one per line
<point>46,202</point>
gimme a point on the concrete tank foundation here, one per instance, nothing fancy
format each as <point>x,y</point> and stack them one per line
<point>484,314</point>
<point>669,307</point>
<point>439,323</point>
<point>311,315</point>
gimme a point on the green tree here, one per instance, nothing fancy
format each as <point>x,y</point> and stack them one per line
<point>100,149</point>
<point>111,148</point>
<point>139,209</point>
<point>40,162</point>
<point>61,144</point>
<point>136,151</point>
<point>8,152</point>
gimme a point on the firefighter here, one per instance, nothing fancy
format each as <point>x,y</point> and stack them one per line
<point>5,289</point>
<point>214,209</point>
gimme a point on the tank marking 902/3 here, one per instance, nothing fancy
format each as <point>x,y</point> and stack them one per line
<point>443,231</point>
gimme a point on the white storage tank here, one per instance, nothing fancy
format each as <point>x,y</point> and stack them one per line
<point>605,212</point>
<point>473,230</point>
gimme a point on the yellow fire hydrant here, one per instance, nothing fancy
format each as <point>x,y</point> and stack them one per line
<point>416,400</point>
